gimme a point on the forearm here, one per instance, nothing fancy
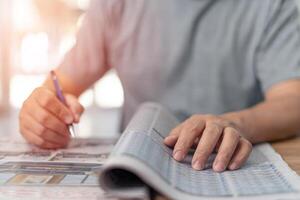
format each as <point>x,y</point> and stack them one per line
<point>68,85</point>
<point>270,120</point>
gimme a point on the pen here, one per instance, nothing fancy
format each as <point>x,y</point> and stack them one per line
<point>61,97</point>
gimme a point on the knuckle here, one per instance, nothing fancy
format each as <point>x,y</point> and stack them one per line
<point>44,118</point>
<point>44,101</point>
<point>212,119</point>
<point>181,146</point>
<point>231,124</point>
<point>25,109</point>
<point>61,113</point>
<point>37,90</point>
<point>42,131</point>
<point>191,129</point>
<point>213,128</point>
<point>201,153</point>
<point>233,133</point>
<point>224,121</point>
<point>47,100</point>
<point>224,155</point>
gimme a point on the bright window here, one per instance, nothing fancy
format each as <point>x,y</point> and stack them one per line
<point>43,32</point>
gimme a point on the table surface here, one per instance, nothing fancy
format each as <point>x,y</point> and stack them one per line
<point>290,152</point>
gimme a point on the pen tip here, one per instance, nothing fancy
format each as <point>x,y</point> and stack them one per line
<point>72,131</point>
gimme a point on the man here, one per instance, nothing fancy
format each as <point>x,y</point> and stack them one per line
<point>229,68</point>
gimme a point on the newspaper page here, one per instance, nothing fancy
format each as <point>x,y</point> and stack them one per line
<point>27,172</point>
<point>264,174</point>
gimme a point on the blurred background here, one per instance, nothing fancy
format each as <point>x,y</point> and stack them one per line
<point>34,36</point>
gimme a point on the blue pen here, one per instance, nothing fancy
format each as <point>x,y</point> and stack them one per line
<point>61,97</point>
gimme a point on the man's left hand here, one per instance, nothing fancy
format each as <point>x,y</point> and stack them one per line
<point>208,133</point>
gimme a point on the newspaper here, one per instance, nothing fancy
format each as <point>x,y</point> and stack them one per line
<point>27,172</point>
<point>140,157</point>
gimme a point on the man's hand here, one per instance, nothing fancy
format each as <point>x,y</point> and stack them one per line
<point>207,133</point>
<point>44,119</point>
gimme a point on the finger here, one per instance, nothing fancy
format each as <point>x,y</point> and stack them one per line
<point>217,147</point>
<point>190,131</point>
<point>228,145</point>
<point>49,120</point>
<point>36,140</point>
<point>241,154</point>
<point>196,142</point>
<point>45,133</point>
<point>171,140</point>
<point>50,102</point>
<point>173,136</point>
<point>76,108</point>
<point>29,136</point>
<point>54,138</point>
<point>207,143</point>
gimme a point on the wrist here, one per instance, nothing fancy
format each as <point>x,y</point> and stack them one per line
<point>241,120</point>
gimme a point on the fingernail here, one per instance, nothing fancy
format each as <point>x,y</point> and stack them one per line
<point>233,166</point>
<point>168,138</point>
<point>178,155</point>
<point>219,166</point>
<point>197,165</point>
<point>68,119</point>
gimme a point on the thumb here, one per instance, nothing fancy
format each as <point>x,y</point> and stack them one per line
<point>76,108</point>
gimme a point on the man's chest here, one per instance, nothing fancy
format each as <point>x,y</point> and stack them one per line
<point>178,46</point>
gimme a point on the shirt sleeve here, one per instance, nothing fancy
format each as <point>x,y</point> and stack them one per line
<point>279,50</point>
<point>86,61</point>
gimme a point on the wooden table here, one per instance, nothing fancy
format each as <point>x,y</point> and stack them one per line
<point>290,152</point>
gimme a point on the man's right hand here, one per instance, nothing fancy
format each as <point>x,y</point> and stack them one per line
<point>44,120</point>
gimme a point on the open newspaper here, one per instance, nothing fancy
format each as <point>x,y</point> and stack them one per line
<point>27,172</point>
<point>140,157</point>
